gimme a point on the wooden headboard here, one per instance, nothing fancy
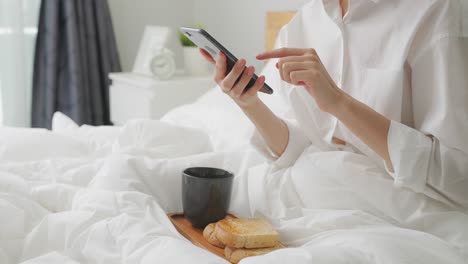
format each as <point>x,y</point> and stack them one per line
<point>274,22</point>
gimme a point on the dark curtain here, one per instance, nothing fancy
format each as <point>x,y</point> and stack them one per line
<point>75,52</point>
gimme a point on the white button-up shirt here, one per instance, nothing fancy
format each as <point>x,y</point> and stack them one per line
<point>408,60</point>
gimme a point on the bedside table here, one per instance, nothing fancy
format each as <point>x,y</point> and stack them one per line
<point>138,96</point>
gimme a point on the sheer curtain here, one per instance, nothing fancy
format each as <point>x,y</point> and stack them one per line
<point>18,29</point>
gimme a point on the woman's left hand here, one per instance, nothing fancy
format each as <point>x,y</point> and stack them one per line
<point>303,67</point>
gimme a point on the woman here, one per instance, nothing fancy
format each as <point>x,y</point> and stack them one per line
<point>379,98</point>
<point>385,78</point>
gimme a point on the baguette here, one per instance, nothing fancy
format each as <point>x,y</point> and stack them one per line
<point>246,233</point>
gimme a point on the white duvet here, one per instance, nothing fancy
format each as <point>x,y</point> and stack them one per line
<point>101,194</point>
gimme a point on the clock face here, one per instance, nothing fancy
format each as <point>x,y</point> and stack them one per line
<point>163,65</point>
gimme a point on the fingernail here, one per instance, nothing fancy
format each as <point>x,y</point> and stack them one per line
<point>261,78</point>
<point>277,65</point>
<point>242,63</point>
<point>250,70</point>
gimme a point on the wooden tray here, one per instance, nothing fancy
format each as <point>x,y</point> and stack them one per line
<point>195,235</point>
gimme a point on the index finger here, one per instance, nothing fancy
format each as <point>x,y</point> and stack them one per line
<point>207,56</point>
<point>280,53</point>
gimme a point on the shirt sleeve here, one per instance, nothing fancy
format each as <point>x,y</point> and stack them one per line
<point>433,156</point>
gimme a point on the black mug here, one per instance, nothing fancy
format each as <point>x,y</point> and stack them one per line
<point>206,195</point>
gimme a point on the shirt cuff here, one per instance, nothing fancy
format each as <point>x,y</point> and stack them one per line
<point>410,153</point>
<point>297,143</point>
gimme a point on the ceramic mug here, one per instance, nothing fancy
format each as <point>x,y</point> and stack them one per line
<point>206,194</point>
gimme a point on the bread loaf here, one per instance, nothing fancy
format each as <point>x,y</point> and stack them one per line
<point>235,255</point>
<point>246,233</point>
<point>210,235</point>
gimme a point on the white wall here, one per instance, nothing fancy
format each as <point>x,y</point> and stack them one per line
<point>237,24</point>
<point>131,16</point>
<point>240,24</point>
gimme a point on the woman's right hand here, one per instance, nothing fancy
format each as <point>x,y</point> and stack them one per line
<point>227,81</point>
<point>273,130</point>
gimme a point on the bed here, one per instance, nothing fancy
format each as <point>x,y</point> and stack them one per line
<point>83,194</point>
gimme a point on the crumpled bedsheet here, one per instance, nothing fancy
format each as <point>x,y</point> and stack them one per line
<point>108,202</point>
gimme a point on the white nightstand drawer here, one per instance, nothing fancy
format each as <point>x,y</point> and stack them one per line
<point>136,96</point>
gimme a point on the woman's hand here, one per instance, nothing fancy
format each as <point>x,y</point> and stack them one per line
<point>228,81</point>
<point>273,130</point>
<point>303,67</point>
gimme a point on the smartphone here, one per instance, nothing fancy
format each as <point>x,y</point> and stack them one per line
<point>205,41</point>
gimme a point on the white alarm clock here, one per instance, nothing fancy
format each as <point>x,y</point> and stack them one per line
<point>163,64</point>
<point>153,58</point>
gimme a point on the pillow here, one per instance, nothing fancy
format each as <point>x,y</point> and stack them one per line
<point>138,137</point>
<point>99,138</point>
<point>217,114</point>
<point>32,144</point>
<point>156,139</point>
